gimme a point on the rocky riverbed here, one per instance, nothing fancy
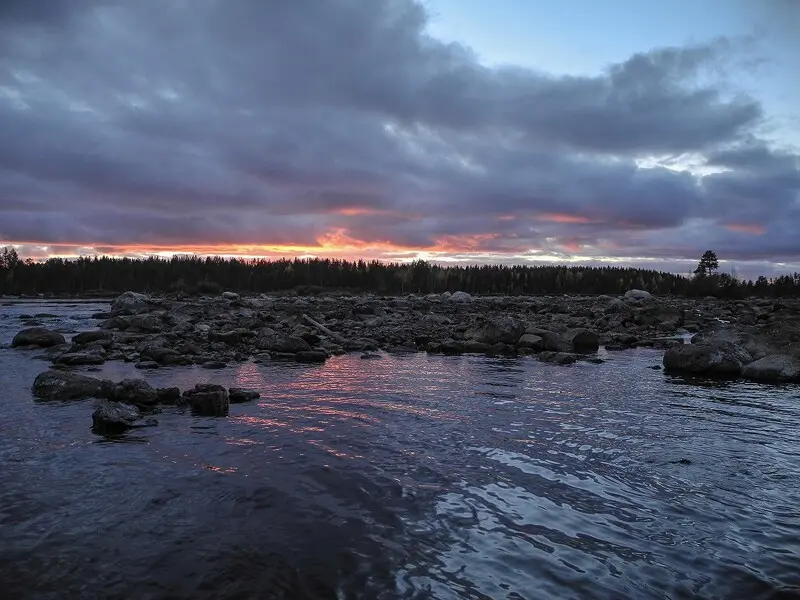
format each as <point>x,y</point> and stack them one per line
<point>757,339</point>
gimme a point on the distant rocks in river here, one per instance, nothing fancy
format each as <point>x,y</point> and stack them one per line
<point>129,303</point>
<point>37,336</point>
<point>208,399</point>
<point>639,295</point>
<point>238,395</point>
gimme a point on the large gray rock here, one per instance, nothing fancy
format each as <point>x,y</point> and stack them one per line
<point>134,391</point>
<point>208,400</point>
<point>505,330</point>
<point>721,359</point>
<point>115,417</point>
<point>230,295</point>
<point>775,368</point>
<point>130,302</point>
<point>460,297</point>
<point>37,336</point>
<point>63,385</point>
<point>638,295</point>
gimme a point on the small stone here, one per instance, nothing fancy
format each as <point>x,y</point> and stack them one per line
<point>214,364</point>
<point>310,356</point>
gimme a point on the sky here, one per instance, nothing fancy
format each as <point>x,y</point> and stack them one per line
<point>511,131</point>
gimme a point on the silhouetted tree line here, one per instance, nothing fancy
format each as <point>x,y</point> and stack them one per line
<point>193,274</point>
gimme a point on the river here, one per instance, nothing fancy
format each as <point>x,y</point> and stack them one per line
<point>413,476</point>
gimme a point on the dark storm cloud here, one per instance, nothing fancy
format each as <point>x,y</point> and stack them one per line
<point>201,122</point>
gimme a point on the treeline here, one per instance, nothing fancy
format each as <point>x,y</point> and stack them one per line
<point>192,274</point>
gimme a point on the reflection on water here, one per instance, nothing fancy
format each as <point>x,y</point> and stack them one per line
<point>413,476</point>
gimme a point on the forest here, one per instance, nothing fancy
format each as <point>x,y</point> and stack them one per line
<point>98,276</point>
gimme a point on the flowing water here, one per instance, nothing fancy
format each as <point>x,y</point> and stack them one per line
<point>409,477</point>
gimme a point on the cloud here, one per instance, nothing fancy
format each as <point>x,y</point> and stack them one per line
<point>258,124</point>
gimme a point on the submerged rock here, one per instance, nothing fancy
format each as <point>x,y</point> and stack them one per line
<point>116,417</point>
<point>558,358</point>
<point>64,385</point>
<point>37,336</point>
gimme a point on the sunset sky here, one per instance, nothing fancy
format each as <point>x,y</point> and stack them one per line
<point>513,131</point>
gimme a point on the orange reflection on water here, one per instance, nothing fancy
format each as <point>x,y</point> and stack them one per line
<point>217,469</point>
<point>333,451</point>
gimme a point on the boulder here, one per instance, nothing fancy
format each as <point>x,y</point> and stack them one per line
<point>230,295</point>
<point>283,343</point>
<point>720,359</point>
<point>460,297</point>
<point>37,336</point>
<point>64,385</point>
<point>134,391</point>
<point>208,400</point>
<point>531,341</point>
<point>558,358</point>
<point>89,337</point>
<point>129,303</point>
<point>506,330</point>
<point>239,395</point>
<point>310,356</point>
<point>170,395</point>
<point>146,323</point>
<point>82,357</point>
<point>638,295</point>
<point>582,340</point>
<point>111,418</point>
<point>775,368</point>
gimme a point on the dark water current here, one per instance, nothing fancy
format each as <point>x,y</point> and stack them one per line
<point>410,477</point>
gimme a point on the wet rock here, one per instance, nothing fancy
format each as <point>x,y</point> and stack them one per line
<point>531,341</point>
<point>283,343</point>
<point>310,356</point>
<point>558,358</point>
<point>37,336</point>
<point>86,357</point>
<point>208,400</point>
<point>230,295</point>
<point>129,303</point>
<point>774,368</point>
<point>582,340</point>
<point>214,364</point>
<point>371,356</point>
<point>238,395</point>
<point>721,359</point>
<point>65,385</point>
<point>169,395</point>
<point>147,364</point>
<point>111,418</point>
<point>89,337</point>
<point>473,347</point>
<point>134,391</point>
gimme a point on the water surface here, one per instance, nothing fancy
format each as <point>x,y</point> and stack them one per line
<point>409,477</point>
